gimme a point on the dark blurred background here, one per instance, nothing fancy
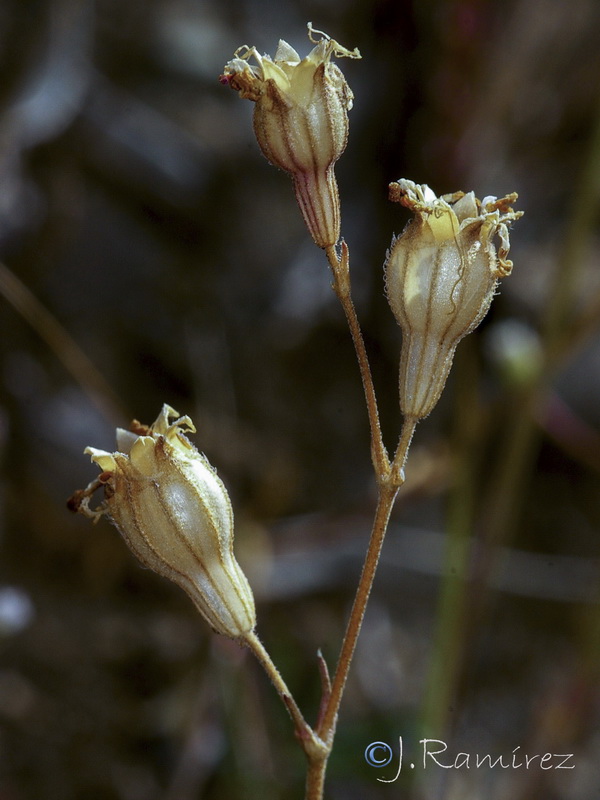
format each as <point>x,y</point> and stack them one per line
<point>152,255</point>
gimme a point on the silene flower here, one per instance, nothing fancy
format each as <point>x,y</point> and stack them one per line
<point>441,275</point>
<point>300,121</point>
<point>174,513</point>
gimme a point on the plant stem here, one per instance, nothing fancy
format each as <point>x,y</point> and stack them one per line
<point>388,489</point>
<point>317,743</point>
<point>340,269</point>
<point>387,495</point>
<point>315,779</point>
<point>311,743</point>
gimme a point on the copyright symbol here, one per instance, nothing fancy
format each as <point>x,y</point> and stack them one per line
<point>378,754</point>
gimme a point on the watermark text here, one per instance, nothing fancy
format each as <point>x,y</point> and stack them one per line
<point>434,754</point>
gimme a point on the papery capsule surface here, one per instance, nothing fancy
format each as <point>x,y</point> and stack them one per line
<point>174,512</point>
<point>441,274</point>
<point>300,121</point>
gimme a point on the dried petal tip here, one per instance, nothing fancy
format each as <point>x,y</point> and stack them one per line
<point>300,120</point>
<point>174,513</point>
<point>441,274</point>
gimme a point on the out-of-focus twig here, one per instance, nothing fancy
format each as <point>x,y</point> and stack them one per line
<point>449,651</point>
<point>61,343</point>
<point>520,441</point>
<point>561,333</point>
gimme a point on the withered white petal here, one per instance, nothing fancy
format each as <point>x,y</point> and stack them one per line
<point>125,440</point>
<point>466,207</point>
<point>285,52</point>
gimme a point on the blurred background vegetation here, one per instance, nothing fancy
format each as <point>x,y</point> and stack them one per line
<point>151,255</point>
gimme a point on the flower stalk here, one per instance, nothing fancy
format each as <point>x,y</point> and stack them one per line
<point>340,268</point>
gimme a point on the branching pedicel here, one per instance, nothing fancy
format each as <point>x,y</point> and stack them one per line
<point>441,273</point>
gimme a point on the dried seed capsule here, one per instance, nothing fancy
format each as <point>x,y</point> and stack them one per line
<point>441,274</point>
<point>300,121</point>
<point>174,513</point>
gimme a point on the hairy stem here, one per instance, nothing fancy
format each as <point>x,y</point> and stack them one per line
<point>341,286</point>
<point>387,496</point>
<point>388,489</point>
<point>311,743</point>
<point>317,743</point>
<point>315,779</point>
<point>390,476</point>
